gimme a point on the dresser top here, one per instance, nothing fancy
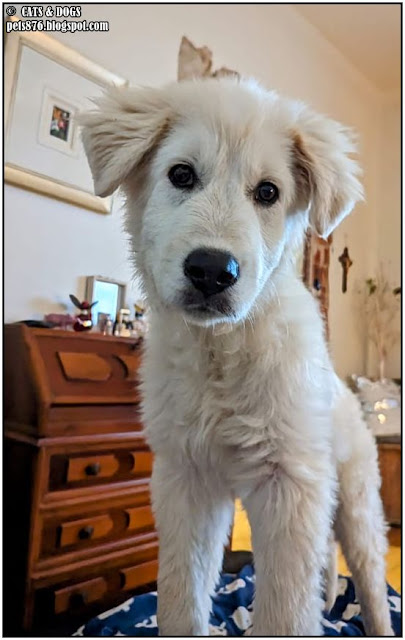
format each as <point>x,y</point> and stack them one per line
<point>61,333</point>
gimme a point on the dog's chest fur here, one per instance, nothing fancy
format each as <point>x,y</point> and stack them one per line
<point>230,402</point>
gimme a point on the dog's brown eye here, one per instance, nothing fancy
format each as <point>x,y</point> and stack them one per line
<point>266,193</point>
<point>182,176</point>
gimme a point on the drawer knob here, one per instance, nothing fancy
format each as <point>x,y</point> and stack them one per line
<point>86,532</point>
<point>93,469</point>
<point>78,599</point>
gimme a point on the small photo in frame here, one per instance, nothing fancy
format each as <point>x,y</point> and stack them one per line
<point>57,128</point>
<point>60,123</point>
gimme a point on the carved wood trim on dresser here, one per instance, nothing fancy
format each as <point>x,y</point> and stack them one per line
<point>78,527</point>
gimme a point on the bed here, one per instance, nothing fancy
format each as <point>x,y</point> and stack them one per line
<point>232,611</point>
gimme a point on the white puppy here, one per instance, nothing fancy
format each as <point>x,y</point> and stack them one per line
<point>221,179</point>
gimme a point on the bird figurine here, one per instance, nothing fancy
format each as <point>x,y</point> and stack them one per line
<point>84,321</point>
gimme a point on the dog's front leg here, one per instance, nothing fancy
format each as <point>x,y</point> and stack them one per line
<point>290,522</point>
<point>193,523</point>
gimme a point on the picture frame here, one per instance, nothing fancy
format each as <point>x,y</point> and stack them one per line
<point>55,127</point>
<point>110,295</point>
<point>315,271</point>
<point>45,84</point>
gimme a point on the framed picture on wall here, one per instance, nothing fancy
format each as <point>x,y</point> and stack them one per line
<point>46,85</point>
<point>56,125</point>
<point>315,271</point>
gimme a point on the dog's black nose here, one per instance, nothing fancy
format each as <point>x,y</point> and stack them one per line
<point>211,271</point>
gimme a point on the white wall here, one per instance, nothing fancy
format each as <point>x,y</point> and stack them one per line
<point>389,219</point>
<point>50,246</point>
<point>389,237</point>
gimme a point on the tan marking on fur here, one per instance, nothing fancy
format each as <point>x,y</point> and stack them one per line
<point>302,168</point>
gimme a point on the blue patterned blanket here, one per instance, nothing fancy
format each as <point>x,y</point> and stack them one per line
<point>232,611</point>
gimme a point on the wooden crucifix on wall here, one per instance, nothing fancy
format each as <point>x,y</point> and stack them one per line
<point>346,263</point>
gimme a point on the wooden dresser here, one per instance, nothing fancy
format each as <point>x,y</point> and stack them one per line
<point>389,454</point>
<point>78,527</point>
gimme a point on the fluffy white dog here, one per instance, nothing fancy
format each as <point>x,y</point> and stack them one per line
<point>221,179</point>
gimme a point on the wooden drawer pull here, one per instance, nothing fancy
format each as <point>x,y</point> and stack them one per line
<point>95,467</point>
<point>139,518</point>
<point>76,595</point>
<point>86,529</point>
<point>86,533</point>
<point>141,574</point>
<point>79,599</point>
<point>142,462</point>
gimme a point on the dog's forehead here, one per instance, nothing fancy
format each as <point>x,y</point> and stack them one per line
<point>237,127</point>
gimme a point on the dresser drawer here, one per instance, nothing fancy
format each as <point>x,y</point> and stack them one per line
<point>73,469</point>
<point>77,595</point>
<point>133,577</point>
<point>97,371</point>
<point>75,533</point>
<point>89,591</point>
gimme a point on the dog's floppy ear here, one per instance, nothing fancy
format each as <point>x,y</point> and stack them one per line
<point>326,175</point>
<point>128,124</point>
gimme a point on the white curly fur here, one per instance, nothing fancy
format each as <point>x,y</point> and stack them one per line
<point>243,403</point>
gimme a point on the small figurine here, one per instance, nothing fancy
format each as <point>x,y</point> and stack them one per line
<point>122,324</point>
<point>109,326</point>
<point>84,321</point>
<point>140,326</point>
